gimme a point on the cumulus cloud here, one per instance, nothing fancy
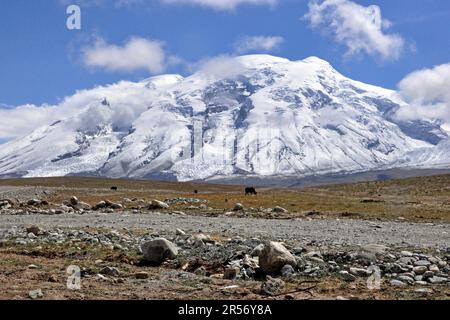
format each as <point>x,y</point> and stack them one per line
<point>258,43</point>
<point>361,29</point>
<point>136,54</point>
<point>428,93</point>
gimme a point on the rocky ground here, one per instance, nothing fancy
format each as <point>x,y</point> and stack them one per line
<point>150,249</point>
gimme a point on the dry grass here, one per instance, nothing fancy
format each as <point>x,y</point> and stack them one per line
<point>415,199</point>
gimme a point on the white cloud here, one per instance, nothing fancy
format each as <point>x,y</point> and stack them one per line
<point>361,29</point>
<point>84,109</point>
<point>258,43</point>
<point>136,54</point>
<point>219,67</point>
<point>428,93</point>
<point>221,4</point>
<point>214,4</point>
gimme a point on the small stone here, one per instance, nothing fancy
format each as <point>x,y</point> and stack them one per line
<point>231,273</point>
<point>110,271</point>
<point>279,209</point>
<point>257,250</point>
<point>35,294</point>
<point>31,236</point>
<point>434,268</point>
<point>101,277</point>
<point>398,283</point>
<point>33,267</point>
<point>53,278</point>
<point>272,286</point>
<point>406,254</point>
<point>420,270</point>
<point>359,272</point>
<point>34,230</point>
<point>437,280</point>
<point>238,207</point>
<point>406,279</point>
<point>424,291</point>
<point>201,271</point>
<point>74,201</point>
<point>33,202</point>
<point>287,271</point>
<point>421,283</point>
<point>141,275</point>
<point>346,276</point>
<point>180,232</point>
<point>422,263</point>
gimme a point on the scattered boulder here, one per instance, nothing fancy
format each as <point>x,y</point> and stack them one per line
<point>398,283</point>
<point>231,273</point>
<point>34,230</point>
<point>287,271</point>
<point>359,272</point>
<point>347,276</point>
<point>159,250</point>
<point>278,209</point>
<point>257,250</point>
<point>74,201</point>
<point>420,270</point>
<point>180,232</point>
<point>158,205</point>
<point>238,207</point>
<point>142,275</point>
<point>34,202</point>
<point>274,257</point>
<point>110,271</point>
<point>437,280</point>
<point>82,206</point>
<point>113,205</point>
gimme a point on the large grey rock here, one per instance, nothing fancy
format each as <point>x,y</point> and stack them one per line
<point>158,250</point>
<point>238,207</point>
<point>274,257</point>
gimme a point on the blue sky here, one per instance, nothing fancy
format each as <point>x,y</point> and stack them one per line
<point>41,61</point>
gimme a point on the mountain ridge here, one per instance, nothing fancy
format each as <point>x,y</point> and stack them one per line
<point>249,115</point>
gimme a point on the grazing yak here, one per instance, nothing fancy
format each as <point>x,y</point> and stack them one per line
<point>250,191</point>
<point>114,188</point>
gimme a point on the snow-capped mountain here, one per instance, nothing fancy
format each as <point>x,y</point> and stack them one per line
<point>254,115</point>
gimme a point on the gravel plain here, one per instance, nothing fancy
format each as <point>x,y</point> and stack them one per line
<point>330,231</point>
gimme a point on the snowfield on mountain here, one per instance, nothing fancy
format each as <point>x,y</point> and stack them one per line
<point>260,116</point>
